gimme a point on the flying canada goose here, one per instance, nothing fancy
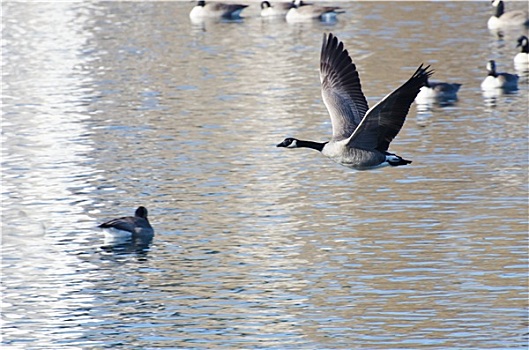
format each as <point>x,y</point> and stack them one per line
<point>216,10</point>
<point>133,226</point>
<point>361,136</point>
<point>279,9</point>
<point>302,12</point>
<point>496,80</point>
<point>437,92</point>
<point>502,19</point>
<point>521,60</point>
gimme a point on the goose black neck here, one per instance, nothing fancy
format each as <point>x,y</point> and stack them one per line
<point>499,9</point>
<point>318,146</point>
<point>525,47</point>
<point>491,67</point>
<point>492,73</point>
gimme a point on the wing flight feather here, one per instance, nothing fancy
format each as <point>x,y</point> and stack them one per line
<point>385,119</point>
<point>341,88</point>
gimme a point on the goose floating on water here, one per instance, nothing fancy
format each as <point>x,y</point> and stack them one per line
<point>130,226</point>
<point>495,80</point>
<point>278,9</point>
<point>361,135</point>
<point>437,92</point>
<point>521,60</point>
<point>502,19</point>
<point>304,12</point>
<point>216,10</point>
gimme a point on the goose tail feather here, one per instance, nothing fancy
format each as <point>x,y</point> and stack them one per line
<point>395,160</point>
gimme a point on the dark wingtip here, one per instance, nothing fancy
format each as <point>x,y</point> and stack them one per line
<point>424,71</point>
<point>328,38</point>
<point>104,225</point>
<point>422,74</point>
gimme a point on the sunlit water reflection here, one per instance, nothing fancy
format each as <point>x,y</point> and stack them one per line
<point>112,105</point>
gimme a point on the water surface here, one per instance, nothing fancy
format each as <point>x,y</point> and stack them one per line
<point>112,105</point>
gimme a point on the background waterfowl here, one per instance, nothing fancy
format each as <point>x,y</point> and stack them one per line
<point>501,19</point>
<point>278,9</point>
<point>521,59</point>
<point>361,136</point>
<point>303,11</point>
<point>495,80</point>
<point>134,226</point>
<point>437,92</point>
<point>217,10</point>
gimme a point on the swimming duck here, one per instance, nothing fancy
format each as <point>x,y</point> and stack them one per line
<point>216,10</point>
<point>134,226</point>
<point>502,19</point>
<point>437,92</point>
<point>521,60</point>
<point>279,9</point>
<point>361,135</point>
<point>495,80</point>
<point>302,12</point>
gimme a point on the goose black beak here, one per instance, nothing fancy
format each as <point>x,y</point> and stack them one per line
<point>282,144</point>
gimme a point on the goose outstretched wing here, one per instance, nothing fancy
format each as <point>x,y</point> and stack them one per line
<point>385,119</point>
<point>340,88</point>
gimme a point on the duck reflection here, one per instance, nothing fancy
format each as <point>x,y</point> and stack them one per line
<point>127,245</point>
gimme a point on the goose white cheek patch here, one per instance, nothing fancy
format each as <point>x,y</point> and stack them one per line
<point>294,144</point>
